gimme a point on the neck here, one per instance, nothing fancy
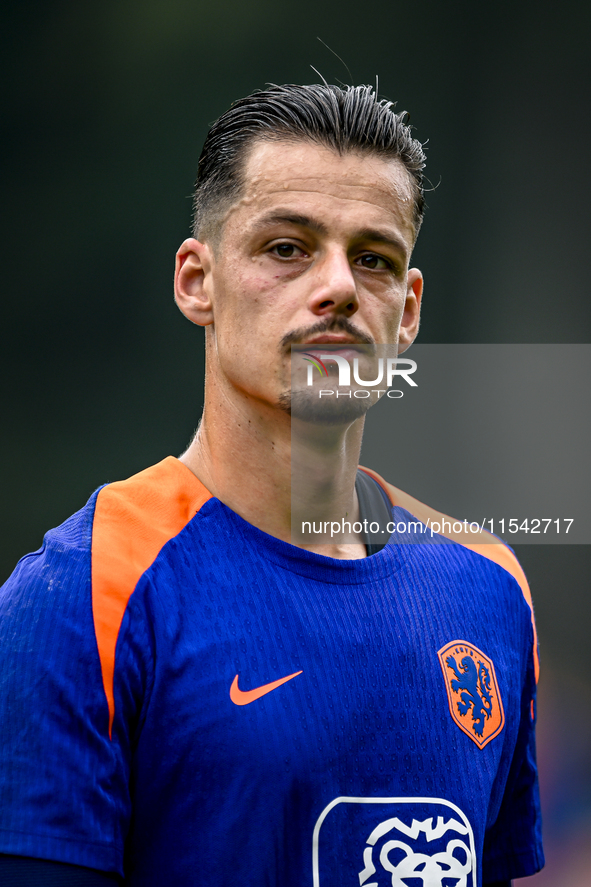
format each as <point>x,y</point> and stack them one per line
<point>276,473</point>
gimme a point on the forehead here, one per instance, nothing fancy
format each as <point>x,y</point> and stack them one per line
<point>341,187</point>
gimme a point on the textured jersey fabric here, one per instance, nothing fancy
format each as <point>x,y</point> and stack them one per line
<point>189,700</point>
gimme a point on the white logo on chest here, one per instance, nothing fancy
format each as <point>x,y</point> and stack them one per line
<point>401,860</point>
<point>391,842</point>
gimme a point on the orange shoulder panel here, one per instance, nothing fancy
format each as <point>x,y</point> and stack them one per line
<point>133,520</point>
<point>483,542</point>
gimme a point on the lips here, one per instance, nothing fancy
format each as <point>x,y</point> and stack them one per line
<point>332,339</point>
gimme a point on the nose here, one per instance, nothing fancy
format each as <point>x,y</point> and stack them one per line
<point>334,290</point>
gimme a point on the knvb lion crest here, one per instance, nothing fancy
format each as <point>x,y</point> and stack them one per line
<point>393,842</point>
<point>403,857</point>
<point>472,691</point>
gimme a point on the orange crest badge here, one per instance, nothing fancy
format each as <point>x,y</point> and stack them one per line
<point>472,691</point>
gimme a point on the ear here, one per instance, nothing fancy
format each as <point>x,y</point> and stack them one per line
<point>192,281</point>
<point>409,325</point>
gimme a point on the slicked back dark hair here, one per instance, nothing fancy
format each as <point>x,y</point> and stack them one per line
<point>349,119</point>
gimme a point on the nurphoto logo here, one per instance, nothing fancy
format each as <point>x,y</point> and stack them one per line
<point>385,370</point>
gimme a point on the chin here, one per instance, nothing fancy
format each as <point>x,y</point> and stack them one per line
<point>307,406</point>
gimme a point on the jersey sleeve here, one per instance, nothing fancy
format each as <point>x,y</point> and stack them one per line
<point>77,656</point>
<point>513,843</point>
<point>63,781</point>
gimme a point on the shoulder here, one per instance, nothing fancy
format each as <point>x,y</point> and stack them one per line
<point>480,541</point>
<point>118,533</point>
<point>134,519</point>
<point>93,562</point>
<point>63,561</point>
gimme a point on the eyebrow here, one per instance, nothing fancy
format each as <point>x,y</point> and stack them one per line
<point>382,237</point>
<point>278,218</point>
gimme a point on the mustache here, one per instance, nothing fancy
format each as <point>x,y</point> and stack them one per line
<point>330,325</point>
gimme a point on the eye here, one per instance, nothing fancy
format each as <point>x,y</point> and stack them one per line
<point>287,251</point>
<point>374,262</point>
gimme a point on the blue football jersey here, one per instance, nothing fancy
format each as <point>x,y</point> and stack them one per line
<point>187,700</point>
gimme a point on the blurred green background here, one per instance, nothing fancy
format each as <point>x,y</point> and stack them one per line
<point>105,108</point>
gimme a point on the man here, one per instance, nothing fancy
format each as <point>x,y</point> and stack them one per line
<point>191,699</point>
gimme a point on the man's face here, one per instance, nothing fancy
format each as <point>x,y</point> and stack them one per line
<point>314,252</point>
